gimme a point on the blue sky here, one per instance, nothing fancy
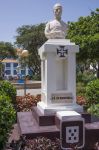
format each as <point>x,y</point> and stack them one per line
<point>15,13</point>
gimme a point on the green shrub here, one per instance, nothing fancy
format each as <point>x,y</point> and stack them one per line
<point>7,118</point>
<point>94,109</point>
<point>85,77</point>
<point>80,89</point>
<point>36,77</point>
<point>9,89</point>
<point>92,92</point>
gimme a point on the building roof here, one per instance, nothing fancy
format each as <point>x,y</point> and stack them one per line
<point>10,61</point>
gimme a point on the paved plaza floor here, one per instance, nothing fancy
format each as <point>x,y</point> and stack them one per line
<point>20,92</point>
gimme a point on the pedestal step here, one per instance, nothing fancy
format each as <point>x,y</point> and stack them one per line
<point>91,134</point>
<point>49,120</point>
<point>52,109</point>
<point>43,120</point>
<point>28,126</point>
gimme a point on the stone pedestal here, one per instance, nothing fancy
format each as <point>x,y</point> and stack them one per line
<point>72,131</point>
<point>54,115</point>
<point>58,75</point>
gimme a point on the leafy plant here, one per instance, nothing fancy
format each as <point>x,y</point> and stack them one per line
<point>81,89</point>
<point>9,89</point>
<point>85,33</point>
<point>81,100</point>
<point>85,77</point>
<point>7,118</point>
<point>31,37</point>
<point>94,109</point>
<point>39,143</point>
<point>36,77</point>
<point>25,103</point>
<point>92,92</point>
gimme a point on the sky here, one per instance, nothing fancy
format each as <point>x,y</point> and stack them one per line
<point>15,13</point>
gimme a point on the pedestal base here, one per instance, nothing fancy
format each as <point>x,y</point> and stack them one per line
<point>51,110</point>
<point>29,127</point>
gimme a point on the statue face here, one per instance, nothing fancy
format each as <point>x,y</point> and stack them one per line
<point>58,12</point>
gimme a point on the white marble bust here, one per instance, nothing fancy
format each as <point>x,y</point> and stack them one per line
<point>56,29</point>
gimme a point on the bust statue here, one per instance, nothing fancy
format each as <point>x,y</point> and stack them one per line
<point>56,29</point>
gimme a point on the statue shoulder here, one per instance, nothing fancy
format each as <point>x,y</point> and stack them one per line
<point>50,22</point>
<point>64,23</point>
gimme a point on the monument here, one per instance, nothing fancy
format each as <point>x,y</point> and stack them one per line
<point>58,113</point>
<point>58,68</point>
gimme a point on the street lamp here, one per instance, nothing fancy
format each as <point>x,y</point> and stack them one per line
<point>23,54</point>
<point>19,52</point>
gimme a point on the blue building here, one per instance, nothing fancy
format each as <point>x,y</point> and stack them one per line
<point>10,69</point>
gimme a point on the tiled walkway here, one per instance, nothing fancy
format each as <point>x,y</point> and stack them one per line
<point>15,135</point>
<point>15,132</point>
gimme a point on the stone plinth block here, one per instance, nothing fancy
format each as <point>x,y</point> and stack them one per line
<point>58,75</point>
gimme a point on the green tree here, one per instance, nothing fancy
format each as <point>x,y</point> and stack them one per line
<point>31,37</point>
<point>85,33</point>
<point>6,50</point>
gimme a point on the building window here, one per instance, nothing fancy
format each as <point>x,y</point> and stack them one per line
<point>8,72</point>
<point>8,65</point>
<point>15,72</point>
<point>15,65</point>
<point>23,72</point>
<point>9,57</point>
<point>30,72</point>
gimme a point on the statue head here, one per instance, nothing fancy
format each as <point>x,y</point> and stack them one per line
<point>56,29</point>
<point>57,9</point>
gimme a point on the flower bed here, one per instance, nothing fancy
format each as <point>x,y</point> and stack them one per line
<point>25,103</point>
<point>42,143</point>
<point>81,100</point>
<point>39,143</point>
